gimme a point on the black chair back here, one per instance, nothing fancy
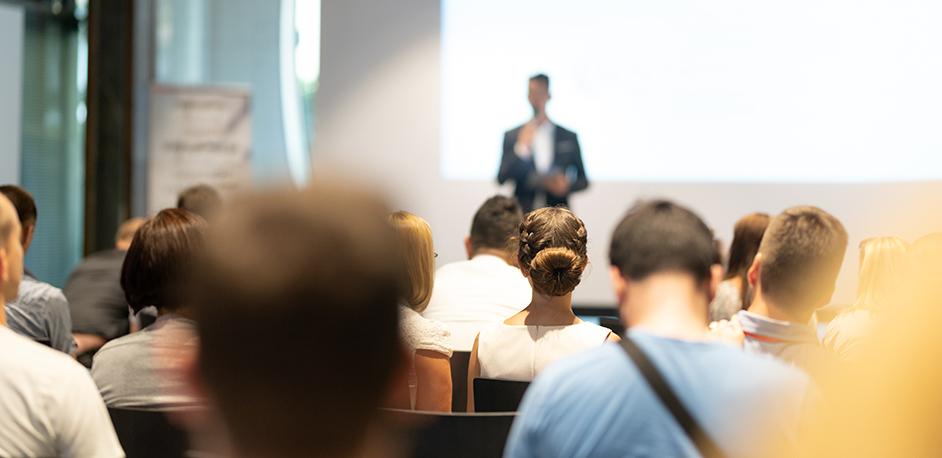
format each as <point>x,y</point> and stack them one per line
<point>148,433</point>
<point>613,323</point>
<point>498,395</point>
<point>459,381</point>
<point>455,435</point>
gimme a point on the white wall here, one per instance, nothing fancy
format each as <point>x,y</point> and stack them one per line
<point>11,91</point>
<point>378,108</point>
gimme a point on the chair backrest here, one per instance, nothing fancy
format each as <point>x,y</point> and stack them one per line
<point>613,323</point>
<point>459,380</point>
<point>455,435</point>
<point>492,395</point>
<point>148,433</point>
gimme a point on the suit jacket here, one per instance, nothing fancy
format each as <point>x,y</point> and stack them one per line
<point>567,157</point>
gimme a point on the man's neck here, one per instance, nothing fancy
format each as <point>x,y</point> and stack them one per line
<point>669,306</point>
<point>763,306</point>
<point>496,253</point>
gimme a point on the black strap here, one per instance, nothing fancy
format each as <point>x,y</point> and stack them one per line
<point>705,445</point>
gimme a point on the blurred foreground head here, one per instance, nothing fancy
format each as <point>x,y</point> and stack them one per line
<point>296,304</point>
<point>887,404</point>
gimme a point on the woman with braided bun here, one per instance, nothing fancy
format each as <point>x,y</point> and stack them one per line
<point>552,256</point>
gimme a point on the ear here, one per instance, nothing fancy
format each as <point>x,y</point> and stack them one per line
<point>716,276</point>
<point>755,271</point>
<point>4,269</point>
<point>28,232</point>
<point>619,285</point>
<point>467,247</point>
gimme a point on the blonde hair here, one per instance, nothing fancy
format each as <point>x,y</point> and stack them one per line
<point>415,238</point>
<point>881,265</point>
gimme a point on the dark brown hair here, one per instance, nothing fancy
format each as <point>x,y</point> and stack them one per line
<point>312,280</point>
<point>553,250</point>
<point>802,251</point>
<point>496,224</point>
<point>747,235</point>
<point>159,258</point>
<point>660,236</point>
<point>24,204</point>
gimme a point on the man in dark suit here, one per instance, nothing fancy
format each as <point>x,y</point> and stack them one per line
<point>542,159</point>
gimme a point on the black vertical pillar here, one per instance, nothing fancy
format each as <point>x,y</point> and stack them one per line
<point>109,125</point>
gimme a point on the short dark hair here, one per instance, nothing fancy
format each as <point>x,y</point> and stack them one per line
<point>553,244</point>
<point>158,261</point>
<point>747,235</point>
<point>659,236</point>
<point>542,78</point>
<point>23,201</point>
<point>802,251</point>
<point>496,224</point>
<point>295,272</point>
<point>201,199</point>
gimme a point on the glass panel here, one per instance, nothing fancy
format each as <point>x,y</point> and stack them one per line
<point>52,166</point>
<point>272,47</point>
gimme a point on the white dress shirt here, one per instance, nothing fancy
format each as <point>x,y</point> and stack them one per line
<point>543,147</point>
<point>470,295</point>
<point>49,405</point>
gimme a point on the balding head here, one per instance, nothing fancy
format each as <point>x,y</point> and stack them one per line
<point>11,253</point>
<point>25,208</point>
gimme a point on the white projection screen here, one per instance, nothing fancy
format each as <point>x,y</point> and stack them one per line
<point>726,106</point>
<point>691,91</point>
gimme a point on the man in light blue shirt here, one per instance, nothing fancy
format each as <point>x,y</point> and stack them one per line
<point>597,404</point>
<point>40,311</point>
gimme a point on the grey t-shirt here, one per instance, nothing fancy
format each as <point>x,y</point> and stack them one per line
<point>137,371</point>
<point>41,312</point>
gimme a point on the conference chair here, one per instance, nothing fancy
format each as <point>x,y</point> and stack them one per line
<point>148,433</point>
<point>455,435</point>
<point>459,380</point>
<point>492,395</point>
<point>613,323</point>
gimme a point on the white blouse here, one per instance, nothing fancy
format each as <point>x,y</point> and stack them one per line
<point>520,352</point>
<point>421,333</point>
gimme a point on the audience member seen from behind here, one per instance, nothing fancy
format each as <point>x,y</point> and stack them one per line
<point>881,273</point>
<point>488,287</point>
<point>96,301</point>
<point>127,370</point>
<point>886,402</point>
<point>427,341</point>
<point>201,199</point>
<point>598,403</point>
<point>793,275</point>
<point>296,305</point>
<point>40,311</point>
<point>552,255</point>
<point>732,294</point>
<point>48,404</point>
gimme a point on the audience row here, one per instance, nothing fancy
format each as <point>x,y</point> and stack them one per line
<point>286,319</point>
